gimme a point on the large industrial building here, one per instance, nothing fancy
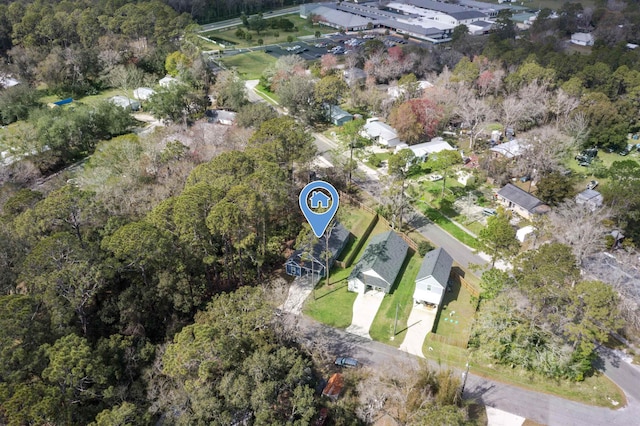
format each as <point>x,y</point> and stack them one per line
<point>424,19</point>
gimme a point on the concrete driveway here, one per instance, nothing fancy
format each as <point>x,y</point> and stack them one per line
<point>420,323</point>
<point>299,290</point>
<point>364,311</point>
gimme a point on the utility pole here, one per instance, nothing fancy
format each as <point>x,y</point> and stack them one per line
<point>395,322</point>
<point>464,378</point>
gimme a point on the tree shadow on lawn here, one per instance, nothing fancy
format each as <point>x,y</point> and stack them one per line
<point>333,290</point>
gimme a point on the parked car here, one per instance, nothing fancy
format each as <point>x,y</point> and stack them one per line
<point>587,155</point>
<point>592,184</point>
<point>626,151</point>
<point>524,179</point>
<point>435,178</point>
<point>346,362</point>
<point>489,212</point>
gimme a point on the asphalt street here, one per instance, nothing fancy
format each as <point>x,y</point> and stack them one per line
<point>540,407</point>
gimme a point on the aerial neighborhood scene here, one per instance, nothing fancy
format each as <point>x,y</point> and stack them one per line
<point>357,212</point>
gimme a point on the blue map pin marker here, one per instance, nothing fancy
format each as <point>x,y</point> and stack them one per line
<point>319,203</point>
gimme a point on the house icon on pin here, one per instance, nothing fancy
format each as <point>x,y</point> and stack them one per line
<point>319,200</point>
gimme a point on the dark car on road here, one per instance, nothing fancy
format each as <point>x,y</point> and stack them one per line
<point>346,362</point>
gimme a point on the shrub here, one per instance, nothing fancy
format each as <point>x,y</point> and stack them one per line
<point>374,160</point>
<point>289,39</point>
<point>240,33</point>
<point>424,247</point>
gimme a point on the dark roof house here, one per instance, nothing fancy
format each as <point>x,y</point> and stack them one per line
<point>433,276</point>
<point>303,263</point>
<point>380,264</point>
<point>520,201</point>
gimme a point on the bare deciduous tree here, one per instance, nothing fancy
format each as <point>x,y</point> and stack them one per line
<point>473,111</point>
<point>580,227</point>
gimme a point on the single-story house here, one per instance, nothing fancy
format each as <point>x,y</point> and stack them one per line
<point>582,39</point>
<point>422,150</point>
<point>334,386</point>
<point>397,91</point>
<point>591,198</point>
<point>303,263</point>
<point>125,102</point>
<point>380,132</point>
<point>354,76</point>
<point>143,93</point>
<point>337,116</point>
<point>513,148</point>
<point>167,81</point>
<point>520,201</point>
<point>432,278</point>
<point>380,264</point>
<point>220,116</point>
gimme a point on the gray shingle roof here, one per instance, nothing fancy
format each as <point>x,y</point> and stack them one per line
<point>437,263</point>
<point>520,197</point>
<point>337,241</point>
<point>384,255</point>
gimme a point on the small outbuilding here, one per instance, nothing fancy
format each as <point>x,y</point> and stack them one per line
<point>220,116</point>
<point>125,102</point>
<point>590,198</point>
<point>334,387</point>
<point>143,93</point>
<point>167,81</point>
<point>380,264</point>
<point>433,277</point>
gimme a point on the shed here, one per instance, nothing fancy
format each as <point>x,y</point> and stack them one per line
<point>334,386</point>
<point>354,76</point>
<point>303,263</point>
<point>524,232</point>
<point>220,116</point>
<point>167,81</point>
<point>125,102</point>
<point>143,93</point>
<point>520,201</point>
<point>513,148</point>
<point>380,264</point>
<point>590,198</point>
<point>432,278</point>
<point>7,81</point>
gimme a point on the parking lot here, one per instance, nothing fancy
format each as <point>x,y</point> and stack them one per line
<point>306,50</point>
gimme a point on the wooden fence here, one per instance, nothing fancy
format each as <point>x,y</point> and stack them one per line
<point>353,201</point>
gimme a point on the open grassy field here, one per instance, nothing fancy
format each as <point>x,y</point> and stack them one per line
<point>249,65</point>
<point>402,296</point>
<point>91,99</point>
<point>268,36</point>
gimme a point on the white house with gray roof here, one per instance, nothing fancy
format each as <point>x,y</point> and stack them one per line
<point>380,132</point>
<point>432,279</point>
<point>520,201</point>
<point>380,264</point>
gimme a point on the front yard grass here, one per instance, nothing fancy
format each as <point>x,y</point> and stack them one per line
<point>455,317</point>
<point>439,219</point>
<point>249,65</point>
<point>333,304</point>
<point>402,296</point>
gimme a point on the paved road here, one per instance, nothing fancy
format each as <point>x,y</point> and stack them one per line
<point>237,21</point>
<point>440,238</point>
<point>540,407</point>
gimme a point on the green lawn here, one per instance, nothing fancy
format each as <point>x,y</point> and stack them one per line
<point>455,318</point>
<point>333,304</point>
<point>269,96</point>
<point>249,65</point>
<point>268,35</point>
<point>91,99</point>
<point>436,217</point>
<point>402,296</point>
<point>357,221</point>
